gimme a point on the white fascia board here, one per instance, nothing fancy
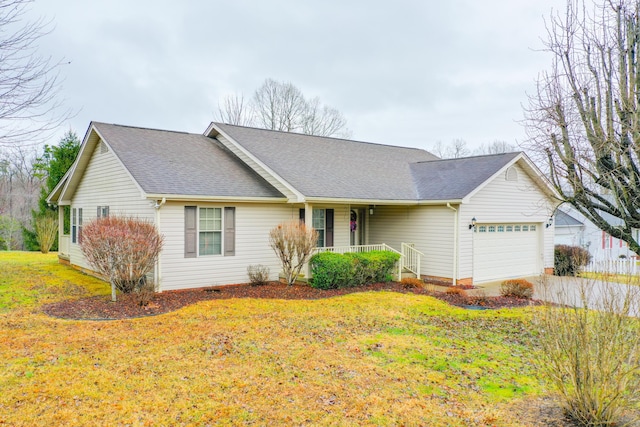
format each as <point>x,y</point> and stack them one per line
<point>68,177</point>
<point>225,199</point>
<point>381,202</point>
<point>299,196</point>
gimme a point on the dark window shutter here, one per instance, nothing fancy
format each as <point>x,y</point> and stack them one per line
<point>301,215</point>
<point>229,231</point>
<point>328,223</point>
<point>190,231</point>
<point>106,211</point>
<point>99,213</point>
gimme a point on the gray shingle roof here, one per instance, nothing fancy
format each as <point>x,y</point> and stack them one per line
<point>452,179</point>
<point>165,162</point>
<point>563,219</point>
<point>332,167</point>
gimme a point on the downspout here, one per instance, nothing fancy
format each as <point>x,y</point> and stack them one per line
<point>455,245</point>
<point>157,274</point>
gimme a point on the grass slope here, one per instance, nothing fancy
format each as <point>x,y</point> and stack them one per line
<point>360,359</point>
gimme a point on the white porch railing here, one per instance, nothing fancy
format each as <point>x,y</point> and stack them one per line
<point>614,266</point>
<point>64,245</point>
<point>411,258</point>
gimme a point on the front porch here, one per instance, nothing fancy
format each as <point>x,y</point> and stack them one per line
<point>408,264</point>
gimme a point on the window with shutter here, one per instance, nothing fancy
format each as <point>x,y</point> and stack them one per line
<point>190,231</point>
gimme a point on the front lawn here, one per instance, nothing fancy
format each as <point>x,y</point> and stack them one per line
<point>371,358</point>
<point>625,279</point>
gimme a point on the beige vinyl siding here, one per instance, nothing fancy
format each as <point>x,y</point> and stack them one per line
<point>502,201</point>
<point>253,222</point>
<point>430,228</point>
<point>105,182</point>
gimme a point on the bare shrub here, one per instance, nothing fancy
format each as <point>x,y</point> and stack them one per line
<point>517,288</point>
<point>454,290</point>
<point>123,249</point>
<point>590,350</point>
<point>258,274</point>
<point>412,283</point>
<point>293,242</point>
<point>46,228</point>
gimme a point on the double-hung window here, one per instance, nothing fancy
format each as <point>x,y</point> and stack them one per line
<point>76,225</point>
<point>319,224</point>
<point>210,231</point>
<point>103,212</point>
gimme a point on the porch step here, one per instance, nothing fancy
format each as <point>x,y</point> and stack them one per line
<point>408,274</point>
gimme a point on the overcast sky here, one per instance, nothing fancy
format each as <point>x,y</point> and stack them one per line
<point>403,72</point>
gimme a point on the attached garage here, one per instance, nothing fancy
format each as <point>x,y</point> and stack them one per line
<point>506,250</point>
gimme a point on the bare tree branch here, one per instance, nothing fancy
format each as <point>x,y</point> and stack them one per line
<point>282,106</point>
<point>29,83</point>
<point>584,120</point>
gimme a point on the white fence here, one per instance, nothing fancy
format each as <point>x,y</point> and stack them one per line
<point>614,266</point>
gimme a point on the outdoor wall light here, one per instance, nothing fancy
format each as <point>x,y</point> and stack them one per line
<point>473,223</point>
<point>548,224</point>
<point>370,209</point>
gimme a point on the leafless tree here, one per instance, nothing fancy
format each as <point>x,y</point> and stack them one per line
<point>20,186</point>
<point>282,106</point>
<point>454,150</point>
<point>29,89</point>
<point>584,119</point>
<point>279,106</point>
<point>235,110</point>
<point>496,147</point>
<point>323,120</point>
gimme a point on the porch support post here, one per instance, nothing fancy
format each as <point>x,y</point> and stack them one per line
<point>60,228</point>
<point>308,220</point>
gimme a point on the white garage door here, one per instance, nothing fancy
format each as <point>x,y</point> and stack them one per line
<point>502,251</point>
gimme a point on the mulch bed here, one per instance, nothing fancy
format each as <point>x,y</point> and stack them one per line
<point>127,306</point>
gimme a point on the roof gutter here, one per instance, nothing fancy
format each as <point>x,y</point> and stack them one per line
<point>191,198</point>
<point>336,200</point>
<point>456,222</point>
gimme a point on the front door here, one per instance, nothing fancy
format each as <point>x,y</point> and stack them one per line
<point>356,227</point>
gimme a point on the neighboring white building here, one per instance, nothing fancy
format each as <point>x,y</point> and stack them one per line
<point>215,197</point>
<point>572,228</point>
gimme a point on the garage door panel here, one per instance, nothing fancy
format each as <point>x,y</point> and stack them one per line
<point>500,254</point>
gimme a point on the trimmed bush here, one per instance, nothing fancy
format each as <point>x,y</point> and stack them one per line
<point>333,271</point>
<point>569,260</point>
<point>517,288</point>
<point>258,274</point>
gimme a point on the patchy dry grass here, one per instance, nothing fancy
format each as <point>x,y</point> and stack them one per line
<point>625,279</point>
<point>376,358</point>
<point>29,279</point>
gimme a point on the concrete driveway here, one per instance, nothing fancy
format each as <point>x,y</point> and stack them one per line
<point>577,292</point>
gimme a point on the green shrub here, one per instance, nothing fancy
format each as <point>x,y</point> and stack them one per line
<point>518,288</point>
<point>333,271</point>
<point>569,260</point>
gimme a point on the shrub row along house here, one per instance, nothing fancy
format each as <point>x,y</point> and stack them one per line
<point>215,197</point>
